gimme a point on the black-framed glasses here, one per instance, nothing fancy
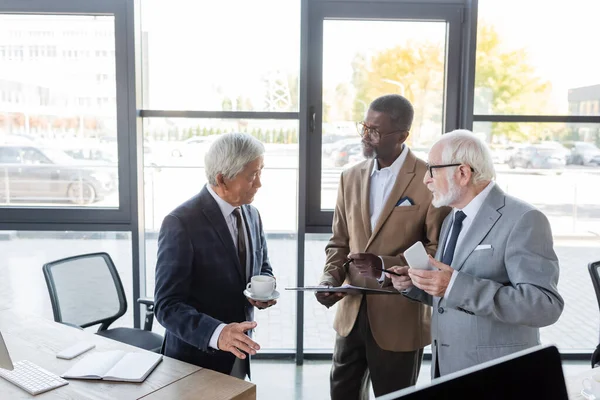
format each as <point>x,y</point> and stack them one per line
<point>432,167</point>
<point>365,130</point>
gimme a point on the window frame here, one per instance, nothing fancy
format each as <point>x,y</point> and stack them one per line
<point>79,217</point>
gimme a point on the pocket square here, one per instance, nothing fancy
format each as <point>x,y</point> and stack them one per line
<point>483,247</point>
<point>405,201</point>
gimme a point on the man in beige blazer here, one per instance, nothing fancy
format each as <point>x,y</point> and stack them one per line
<point>382,208</point>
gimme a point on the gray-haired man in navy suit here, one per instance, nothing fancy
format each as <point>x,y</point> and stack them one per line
<point>208,249</point>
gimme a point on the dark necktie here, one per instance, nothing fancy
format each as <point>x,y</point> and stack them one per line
<point>241,241</point>
<point>459,216</point>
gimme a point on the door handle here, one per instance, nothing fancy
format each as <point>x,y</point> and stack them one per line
<point>312,117</point>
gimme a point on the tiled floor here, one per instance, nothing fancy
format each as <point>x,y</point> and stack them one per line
<point>277,380</point>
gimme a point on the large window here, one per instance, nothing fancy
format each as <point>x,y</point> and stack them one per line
<point>209,69</point>
<point>22,284</point>
<point>174,172</point>
<point>526,66</point>
<point>226,55</point>
<point>58,111</point>
<point>537,111</point>
<point>358,52</point>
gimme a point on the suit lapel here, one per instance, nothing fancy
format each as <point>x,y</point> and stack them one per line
<point>484,221</point>
<point>405,176</point>
<point>444,231</point>
<point>365,199</point>
<point>213,213</point>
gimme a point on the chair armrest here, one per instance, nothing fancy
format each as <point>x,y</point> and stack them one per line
<point>72,325</point>
<point>149,318</point>
<point>147,301</point>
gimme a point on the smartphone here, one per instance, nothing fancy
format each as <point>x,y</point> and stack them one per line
<point>417,257</point>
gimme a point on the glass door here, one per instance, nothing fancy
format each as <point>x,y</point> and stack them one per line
<point>362,51</point>
<point>358,52</point>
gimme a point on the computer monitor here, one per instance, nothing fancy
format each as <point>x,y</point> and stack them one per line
<point>535,373</point>
<point>5,361</point>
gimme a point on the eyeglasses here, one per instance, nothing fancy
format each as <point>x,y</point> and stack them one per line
<point>365,130</point>
<point>432,167</point>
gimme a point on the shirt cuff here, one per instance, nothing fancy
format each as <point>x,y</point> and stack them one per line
<point>382,277</point>
<point>452,279</point>
<point>214,339</point>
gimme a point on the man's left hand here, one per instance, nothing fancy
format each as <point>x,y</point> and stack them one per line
<point>261,305</point>
<point>366,263</point>
<point>435,282</point>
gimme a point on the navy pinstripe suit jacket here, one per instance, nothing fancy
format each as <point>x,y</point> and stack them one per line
<point>200,281</point>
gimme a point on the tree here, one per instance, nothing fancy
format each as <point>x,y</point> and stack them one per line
<point>414,70</point>
<point>505,82</point>
<point>227,104</point>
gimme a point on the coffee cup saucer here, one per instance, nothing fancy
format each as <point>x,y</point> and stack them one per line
<point>274,296</point>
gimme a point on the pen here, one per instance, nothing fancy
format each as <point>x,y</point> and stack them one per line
<point>388,271</point>
<point>347,263</point>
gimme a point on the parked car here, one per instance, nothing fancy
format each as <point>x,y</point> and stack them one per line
<point>341,156</point>
<point>538,156</point>
<point>193,147</point>
<point>46,174</point>
<point>92,154</point>
<point>583,153</point>
<point>502,153</point>
<point>330,142</point>
<point>565,152</point>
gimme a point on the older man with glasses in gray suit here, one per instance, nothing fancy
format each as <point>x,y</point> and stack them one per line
<point>496,273</point>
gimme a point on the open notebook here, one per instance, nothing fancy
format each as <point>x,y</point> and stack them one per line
<point>115,365</point>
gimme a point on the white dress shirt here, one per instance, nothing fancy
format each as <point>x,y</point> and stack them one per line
<point>382,182</point>
<point>470,211</point>
<point>227,210</point>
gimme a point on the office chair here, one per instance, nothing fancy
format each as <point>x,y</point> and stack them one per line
<point>86,290</point>
<point>594,270</point>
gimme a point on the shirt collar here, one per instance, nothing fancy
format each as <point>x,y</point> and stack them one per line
<point>474,205</point>
<point>396,165</point>
<point>225,207</point>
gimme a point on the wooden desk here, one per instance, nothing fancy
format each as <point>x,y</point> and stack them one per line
<point>38,340</point>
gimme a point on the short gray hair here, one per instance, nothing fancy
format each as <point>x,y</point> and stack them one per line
<point>229,154</point>
<point>462,146</point>
<point>399,109</point>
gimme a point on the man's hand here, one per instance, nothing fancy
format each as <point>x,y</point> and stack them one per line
<point>400,283</point>
<point>261,305</point>
<point>434,283</point>
<point>329,298</point>
<point>234,340</point>
<point>366,263</point>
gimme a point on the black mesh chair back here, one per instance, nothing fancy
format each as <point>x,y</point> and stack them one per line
<point>594,270</point>
<point>86,290</point>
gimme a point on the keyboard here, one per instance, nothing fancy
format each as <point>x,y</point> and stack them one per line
<point>31,378</point>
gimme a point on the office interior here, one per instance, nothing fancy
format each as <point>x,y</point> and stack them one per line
<point>131,93</point>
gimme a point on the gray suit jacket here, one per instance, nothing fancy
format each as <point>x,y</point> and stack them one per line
<point>503,294</point>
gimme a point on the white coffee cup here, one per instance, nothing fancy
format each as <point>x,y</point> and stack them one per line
<point>592,385</point>
<point>261,286</point>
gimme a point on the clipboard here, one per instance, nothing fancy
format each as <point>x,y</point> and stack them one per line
<point>349,289</point>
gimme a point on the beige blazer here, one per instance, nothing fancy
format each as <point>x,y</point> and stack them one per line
<point>397,323</point>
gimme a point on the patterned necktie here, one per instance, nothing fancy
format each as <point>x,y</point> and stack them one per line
<point>451,245</point>
<point>241,242</point>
